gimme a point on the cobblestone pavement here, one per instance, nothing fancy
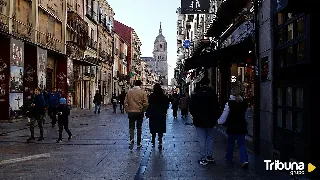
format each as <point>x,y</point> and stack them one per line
<point>99,150</point>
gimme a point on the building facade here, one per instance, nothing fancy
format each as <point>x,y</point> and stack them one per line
<point>33,50</point>
<point>105,49</point>
<point>120,65</point>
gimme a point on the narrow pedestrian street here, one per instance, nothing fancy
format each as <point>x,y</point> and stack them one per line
<point>99,150</point>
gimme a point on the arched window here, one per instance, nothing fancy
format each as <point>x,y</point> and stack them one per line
<point>161,46</point>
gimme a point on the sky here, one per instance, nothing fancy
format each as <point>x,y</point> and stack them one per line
<point>144,16</point>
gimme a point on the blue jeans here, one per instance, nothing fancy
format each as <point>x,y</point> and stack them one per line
<point>241,138</point>
<point>96,108</point>
<point>206,141</point>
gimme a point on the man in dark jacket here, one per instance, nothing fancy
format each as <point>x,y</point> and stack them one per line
<point>122,97</point>
<point>97,102</point>
<point>53,102</point>
<point>37,114</point>
<point>175,104</point>
<point>205,111</point>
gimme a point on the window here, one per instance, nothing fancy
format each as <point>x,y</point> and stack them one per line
<point>280,36</point>
<point>161,46</point>
<point>92,34</point>
<point>300,27</point>
<point>300,52</point>
<point>280,18</point>
<point>289,56</point>
<point>280,58</point>
<point>290,115</point>
<point>290,34</point>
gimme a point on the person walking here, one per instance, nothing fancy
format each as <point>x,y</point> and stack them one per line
<point>63,119</point>
<point>205,110</point>
<point>53,102</point>
<point>157,112</point>
<point>234,118</point>
<point>175,104</point>
<point>97,99</point>
<point>184,102</point>
<point>136,103</point>
<point>37,114</point>
<point>114,101</point>
<point>122,97</point>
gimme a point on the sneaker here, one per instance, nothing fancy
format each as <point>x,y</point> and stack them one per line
<point>210,159</point>
<point>70,137</point>
<point>203,162</point>
<point>30,139</point>
<point>59,141</point>
<point>245,165</point>
<point>40,139</point>
<point>139,146</point>
<point>131,145</point>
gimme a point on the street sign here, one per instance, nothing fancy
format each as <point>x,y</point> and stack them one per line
<point>186,43</point>
<point>195,6</point>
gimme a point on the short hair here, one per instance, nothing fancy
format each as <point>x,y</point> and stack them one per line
<point>205,81</point>
<point>138,83</point>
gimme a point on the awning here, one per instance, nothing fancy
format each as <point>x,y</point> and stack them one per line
<point>232,53</point>
<point>227,11</point>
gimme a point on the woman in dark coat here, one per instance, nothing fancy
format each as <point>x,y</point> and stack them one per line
<point>157,113</point>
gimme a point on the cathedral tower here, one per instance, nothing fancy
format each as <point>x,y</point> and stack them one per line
<point>160,56</point>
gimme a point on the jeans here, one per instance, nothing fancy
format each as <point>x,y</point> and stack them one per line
<point>122,107</point>
<point>52,112</point>
<point>242,148</point>
<point>39,119</point>
<point>133,118</point>
<point>64,125</point>
<point>96,108</point>
<point>114,107</point>
<point>206,141</point>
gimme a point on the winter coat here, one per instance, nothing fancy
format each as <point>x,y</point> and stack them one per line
<point>204,108</point>
<point>175,101</point>
<point>234,116</point>
<point>53,99</point>
<point>184,103</point>
<point>136,100</point>
<point>39,106</point>
<point>157,112</point>
<point>63,113</point>
<point>97,99</point>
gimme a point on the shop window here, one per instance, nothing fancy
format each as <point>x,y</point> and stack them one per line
<point>290,115</point>
<point>288,120</point>
<point>300,27</point>
<point>288,96</point>
<point>289,56</point>
<point>280,18</point>
<point>279,118</point>
<point>300,52</point>
<point>290,34</point>
<point>281,39</point>
<point>279,96</point>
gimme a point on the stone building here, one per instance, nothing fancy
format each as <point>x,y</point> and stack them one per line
<point>32,36</point>
<point>120,64</point>
<point>105,49</point>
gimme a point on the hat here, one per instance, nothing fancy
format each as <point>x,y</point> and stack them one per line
<point>63,101</point>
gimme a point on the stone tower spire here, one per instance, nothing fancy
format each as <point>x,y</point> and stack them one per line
<point>160,30</point>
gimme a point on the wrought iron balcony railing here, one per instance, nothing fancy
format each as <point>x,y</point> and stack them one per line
<point>92,44</point>
<point>74,51</point>
<point>4,23</point>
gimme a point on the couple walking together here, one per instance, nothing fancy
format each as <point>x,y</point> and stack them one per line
<point>206,114</point>
<point>136,103</point>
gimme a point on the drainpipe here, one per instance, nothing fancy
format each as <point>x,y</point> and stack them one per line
<point>256,116</point>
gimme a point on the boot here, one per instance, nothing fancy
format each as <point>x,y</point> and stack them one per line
<point>153,141</point>
<point>30,139</point>
<point>160,143</point>
<point>40,138</point>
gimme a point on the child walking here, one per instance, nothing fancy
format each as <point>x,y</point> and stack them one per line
<point>63,121</point>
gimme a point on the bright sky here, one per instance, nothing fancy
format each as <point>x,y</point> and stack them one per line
<point>144,17</point>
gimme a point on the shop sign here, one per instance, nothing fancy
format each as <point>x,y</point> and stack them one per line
<point>195,6</point>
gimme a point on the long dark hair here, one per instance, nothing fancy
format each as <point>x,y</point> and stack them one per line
<point>157,90</point>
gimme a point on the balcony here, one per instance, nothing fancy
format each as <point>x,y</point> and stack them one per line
<point>92,44</point>
<point>103,55</point>
<point>122,56</point>
<point>91,14</point>
<point>74,51</point>
<point>4,23</point>
<point>76,24</point>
